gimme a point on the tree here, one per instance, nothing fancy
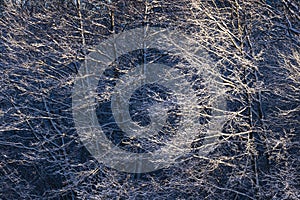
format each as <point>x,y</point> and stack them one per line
<point>253,48</point>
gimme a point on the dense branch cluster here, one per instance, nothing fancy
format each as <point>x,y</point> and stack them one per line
<point>253,47</point>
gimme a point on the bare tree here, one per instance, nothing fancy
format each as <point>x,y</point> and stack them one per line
<point>250,50</point>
